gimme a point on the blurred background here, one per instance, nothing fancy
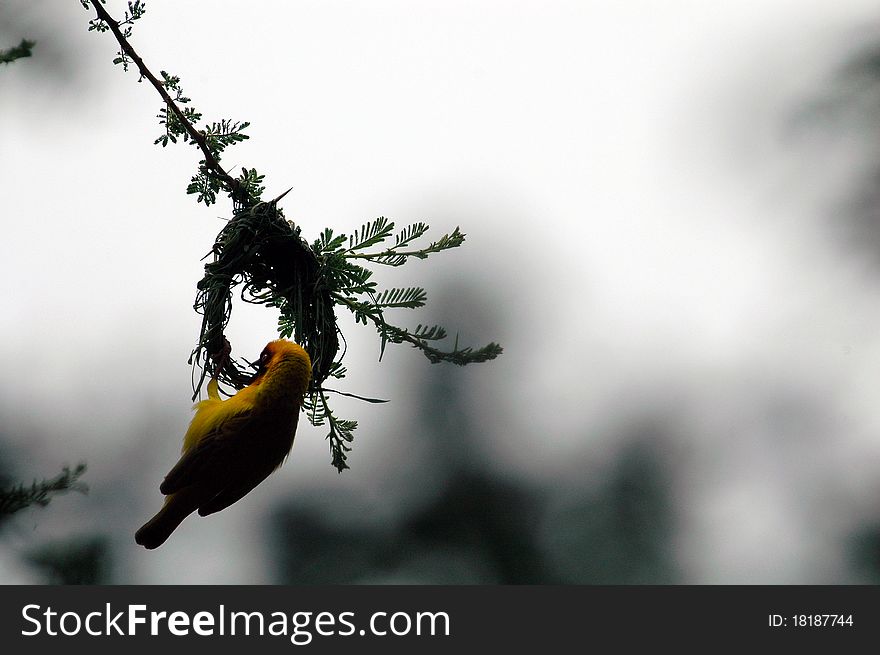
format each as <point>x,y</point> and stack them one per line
<point>673,220</point>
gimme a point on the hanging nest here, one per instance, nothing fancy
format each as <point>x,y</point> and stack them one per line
<point>264,253</point>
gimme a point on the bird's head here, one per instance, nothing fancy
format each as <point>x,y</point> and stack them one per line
<point>285,362</point>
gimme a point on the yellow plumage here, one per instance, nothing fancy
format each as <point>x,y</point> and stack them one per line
<point>232,445</point>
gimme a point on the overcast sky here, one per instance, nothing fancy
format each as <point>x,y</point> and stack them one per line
<point>640,235</point>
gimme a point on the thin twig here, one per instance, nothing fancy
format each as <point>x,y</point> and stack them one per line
<point>354,395</point>
<point>211,162</point>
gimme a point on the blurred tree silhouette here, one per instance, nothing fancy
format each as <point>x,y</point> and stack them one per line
<point>864,554</point>
<point>844,114</point>
<point>858,108</point>
<point>23,49</point>
<point>6,479</point>
<point>58,61</point>
<point>473,525</point>
<point>17,497</point>
<point>78,561</point>
<point>480,527</point>
<point>480,530</point>
<point>619,532</point>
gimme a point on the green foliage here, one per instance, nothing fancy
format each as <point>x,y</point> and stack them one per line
<point>350,285</point>
<point>174,127</point>
<point>352,288</point>
<point>265,254</point>
<point>184,123</point>
<point>41,493</point>
<point>217,137</point>
<point>341,431</point>
<point>135,12</point>
<point>23,49</point>
<point>394,256</point>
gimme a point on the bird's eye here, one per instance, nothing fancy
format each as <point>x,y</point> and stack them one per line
<point>265,356</point>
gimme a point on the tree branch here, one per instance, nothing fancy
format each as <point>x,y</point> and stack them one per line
<point>198,138</point>
<point>23,49</point>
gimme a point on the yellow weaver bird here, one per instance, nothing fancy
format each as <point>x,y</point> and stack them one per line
<point>232,445</point>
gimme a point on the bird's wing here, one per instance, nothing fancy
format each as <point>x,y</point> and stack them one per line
<point>228,496</point>
<point>203,458</point>
<point>238,487</point>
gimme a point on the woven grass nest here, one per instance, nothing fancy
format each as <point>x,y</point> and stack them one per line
<point>264,254</point>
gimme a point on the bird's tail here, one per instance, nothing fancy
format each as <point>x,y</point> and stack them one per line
<point>155,531</point>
